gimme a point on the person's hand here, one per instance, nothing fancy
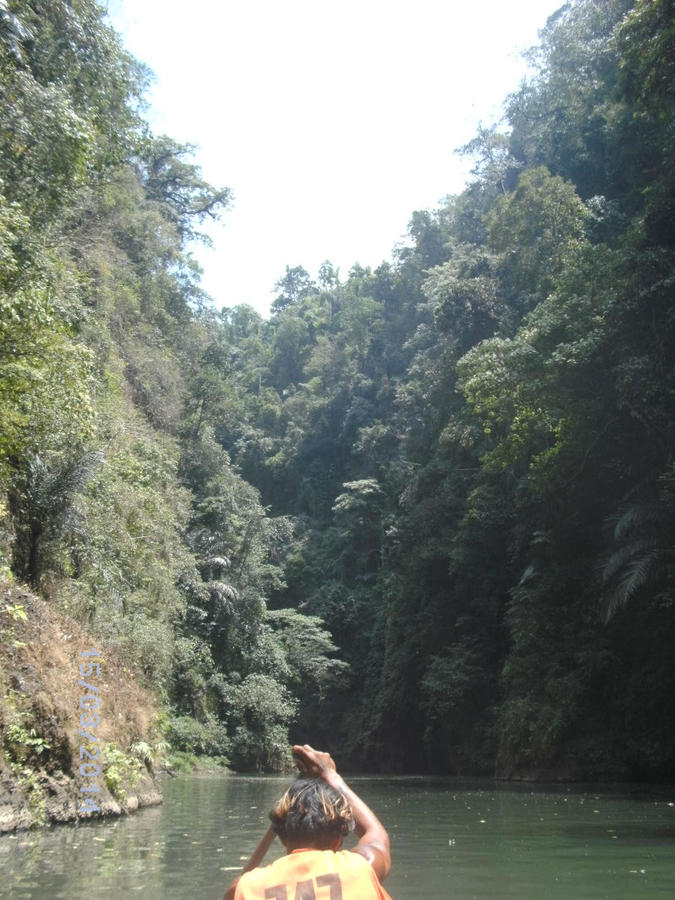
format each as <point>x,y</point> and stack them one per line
<point>312,763</point>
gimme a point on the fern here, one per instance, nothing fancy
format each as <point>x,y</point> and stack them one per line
<point>635,575</point>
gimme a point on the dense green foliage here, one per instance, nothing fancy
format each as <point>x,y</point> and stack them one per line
<point>116,500</point>
<point>457,467</point>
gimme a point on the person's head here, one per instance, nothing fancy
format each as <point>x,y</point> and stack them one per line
<point>312,814</point>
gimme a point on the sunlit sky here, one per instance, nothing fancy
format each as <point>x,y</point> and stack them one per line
<point>330,121</point>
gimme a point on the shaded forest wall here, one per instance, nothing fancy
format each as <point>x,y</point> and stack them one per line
<point>456,467</point>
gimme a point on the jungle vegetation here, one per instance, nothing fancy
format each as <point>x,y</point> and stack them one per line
<point>424,513</point>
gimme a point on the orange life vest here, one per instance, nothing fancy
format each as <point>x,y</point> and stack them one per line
<point>313,875</point>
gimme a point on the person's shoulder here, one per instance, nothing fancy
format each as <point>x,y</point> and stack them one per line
<point>360,868</point>
<point>260,873</point>
<point>250,882</point>
<point>352,858</point>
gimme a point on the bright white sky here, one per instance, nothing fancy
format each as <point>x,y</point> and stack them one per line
<point>330,120</point>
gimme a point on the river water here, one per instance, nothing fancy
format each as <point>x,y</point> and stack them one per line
<point>450,838</point>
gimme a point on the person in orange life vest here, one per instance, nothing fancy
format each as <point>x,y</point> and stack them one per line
<point>311,819</point>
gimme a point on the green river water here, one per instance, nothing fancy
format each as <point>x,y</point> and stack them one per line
<point>450,839</point>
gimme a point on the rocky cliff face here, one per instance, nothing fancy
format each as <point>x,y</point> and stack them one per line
<point>79,736</point>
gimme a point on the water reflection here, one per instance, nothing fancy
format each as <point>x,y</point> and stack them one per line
<point>449,839</point>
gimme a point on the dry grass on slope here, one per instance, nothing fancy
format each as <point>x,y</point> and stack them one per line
<point>40,720</point>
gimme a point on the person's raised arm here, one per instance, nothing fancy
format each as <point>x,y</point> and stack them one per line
<point>373,839</point>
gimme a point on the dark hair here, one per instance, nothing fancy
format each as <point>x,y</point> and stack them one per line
<point>311,814</point>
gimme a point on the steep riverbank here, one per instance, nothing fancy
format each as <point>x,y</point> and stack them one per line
<point>79,735</point>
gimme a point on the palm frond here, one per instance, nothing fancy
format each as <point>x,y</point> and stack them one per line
<point>636,574</point>
<point>622,557</point>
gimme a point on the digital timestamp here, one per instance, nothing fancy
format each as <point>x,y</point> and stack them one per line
<point>90,719</point>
